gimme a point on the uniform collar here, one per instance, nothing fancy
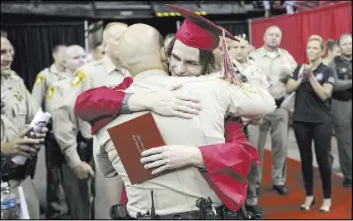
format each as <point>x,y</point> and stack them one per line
<point>150,73</point>
<point>264,52</point>
<point>53,69</point>
<point>110,66</point>
<point>318,67</point>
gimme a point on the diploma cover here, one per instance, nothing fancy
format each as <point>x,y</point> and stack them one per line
<point>130,139</point>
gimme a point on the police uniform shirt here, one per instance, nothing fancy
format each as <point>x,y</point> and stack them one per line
<point>273,65</point>
<point>43,80</point>
<point>92,75</point>
<point>18,109</point>
<point>343,67</point>
<point>55,91</point>
<point>250,69</point>
<point>308,106</point>
<point>178,191</point>
<point>65,123</point>
<point>19,106</point>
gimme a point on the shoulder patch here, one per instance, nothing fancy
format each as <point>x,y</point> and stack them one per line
<point>331,80</point>
<point>39,80</point>
<point>50,91</point>
<point>18,96</point>
<point>79,77</point>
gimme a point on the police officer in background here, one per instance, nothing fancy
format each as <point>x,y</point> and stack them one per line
<point>18,108</point>
<point>278,65</point>
<point>98,52</point>
<point>248,68</point>
<point>104,72</point>
<point>49,75</point>
<point>56,205</point>
<point>76,190</point>
<point>342,106</point>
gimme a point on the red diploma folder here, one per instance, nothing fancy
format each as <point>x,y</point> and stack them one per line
<point>130,139</point>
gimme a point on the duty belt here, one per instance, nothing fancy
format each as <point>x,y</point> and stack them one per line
<point>207,211</point>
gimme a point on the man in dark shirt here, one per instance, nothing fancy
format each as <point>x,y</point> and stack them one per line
<point>342,106</point>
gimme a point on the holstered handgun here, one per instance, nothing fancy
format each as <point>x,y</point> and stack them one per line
<point>84,148</point>
<point>207,209</point>
<point>119,212</point>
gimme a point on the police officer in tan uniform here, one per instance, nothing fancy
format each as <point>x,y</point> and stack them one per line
<point>238,51</point>
<point>247,68</point>
<point>105,72</point>
<point>74,57</point>
<point>56,206</point>
<point>207,128</point>
<point>49,75</point>
<point>278,65</point>
<point>98,52</point>
<point>18,109</point>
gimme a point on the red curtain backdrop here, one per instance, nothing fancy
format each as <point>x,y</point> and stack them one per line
<point>329,21</point>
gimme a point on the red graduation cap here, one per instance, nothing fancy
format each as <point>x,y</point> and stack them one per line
<point>197,31</point>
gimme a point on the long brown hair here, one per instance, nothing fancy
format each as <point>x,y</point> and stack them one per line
<point>207,59</point>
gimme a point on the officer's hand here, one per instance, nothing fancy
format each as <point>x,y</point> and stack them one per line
<point>170,157</point>
<point>83,171</point>
<point>175,103</point>
<point>247,121</point>
<point>167,103</point>
<point>20,145</point>
<point>41,136</point>
<point>284,77</point>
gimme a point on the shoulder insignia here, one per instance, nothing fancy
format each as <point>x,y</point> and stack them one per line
<point>79,77</point>
<point>18,96</point>
<point>50,91</point>
<point>331,80</point>
<point>39,80</point>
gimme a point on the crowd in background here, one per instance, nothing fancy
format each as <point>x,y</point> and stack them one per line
<point>318,96</point>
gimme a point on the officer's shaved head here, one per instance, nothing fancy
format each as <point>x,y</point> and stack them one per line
<point>75,57</point>
<point>113,29</point>
<point>345,43</point>
<point>111,35</point>
<point>141,48</point>
<point>273,37</point>
<point>272,28</point>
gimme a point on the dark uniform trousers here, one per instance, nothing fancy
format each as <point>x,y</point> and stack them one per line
<point>56,203</point>
<point>66,194</point>
<point>342,117</point>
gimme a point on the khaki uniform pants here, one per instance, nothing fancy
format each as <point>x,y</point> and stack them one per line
<point>107,191</point>
<point>278,122</point>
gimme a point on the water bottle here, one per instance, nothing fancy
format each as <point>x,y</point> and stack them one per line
<point>9,208</point>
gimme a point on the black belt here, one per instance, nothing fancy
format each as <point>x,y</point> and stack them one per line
<point>196,214</point>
